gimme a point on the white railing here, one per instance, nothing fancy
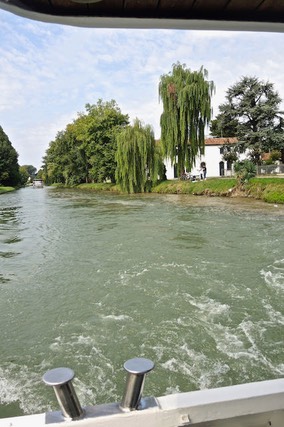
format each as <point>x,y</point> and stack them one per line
<point>270,169</point>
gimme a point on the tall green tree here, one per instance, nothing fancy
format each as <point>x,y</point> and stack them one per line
<point>58,160</point>
<point>27,172</point>
<point>85,150</point>
<point>137,158</point>
<point>24,175</point>
<point>30,169</point>
<point>251,113</point>
<point>186,97</point>
<point>9,167</point>
<point>104,121</point>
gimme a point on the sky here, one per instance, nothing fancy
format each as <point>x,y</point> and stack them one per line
<point>49,72</point>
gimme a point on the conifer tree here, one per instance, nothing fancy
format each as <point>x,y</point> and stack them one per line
<point>186,97</point>
<point>252,114</point>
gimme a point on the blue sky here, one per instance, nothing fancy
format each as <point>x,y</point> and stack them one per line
<point>49,72</point>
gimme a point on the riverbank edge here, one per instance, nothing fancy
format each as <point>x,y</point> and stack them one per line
<point>270,190</point>
<point>4,190</point>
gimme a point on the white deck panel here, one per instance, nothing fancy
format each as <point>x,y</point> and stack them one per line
<point>259,404</point>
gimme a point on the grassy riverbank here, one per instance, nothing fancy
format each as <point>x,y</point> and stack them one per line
<point>106,186</point>
<point>270,190</point>
<point>210,187</point>
<point>6,189</point>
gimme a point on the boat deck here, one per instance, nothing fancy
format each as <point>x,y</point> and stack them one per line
<point>259,404</point>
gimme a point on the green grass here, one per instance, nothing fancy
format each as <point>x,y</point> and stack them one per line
<point>104,186</point>
<point>210,187</point>
<point>271,190</point>
<point>6,189</point>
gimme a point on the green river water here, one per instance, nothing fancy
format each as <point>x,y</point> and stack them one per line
<point>89,280</point>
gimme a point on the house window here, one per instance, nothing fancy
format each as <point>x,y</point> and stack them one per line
<point>229,165</point>
<point>222,150</point>
<point>221,169</point>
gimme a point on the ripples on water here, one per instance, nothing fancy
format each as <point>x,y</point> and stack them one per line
<point>88,281</point>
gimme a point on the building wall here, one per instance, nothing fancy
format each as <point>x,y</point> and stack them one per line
<point>212,157</point>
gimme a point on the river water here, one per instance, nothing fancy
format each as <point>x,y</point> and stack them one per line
<point>89,280</point>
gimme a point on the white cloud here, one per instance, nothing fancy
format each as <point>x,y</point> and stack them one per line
<point>49,72</point>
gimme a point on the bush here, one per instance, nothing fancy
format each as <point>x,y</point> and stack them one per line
<point>244,171</point>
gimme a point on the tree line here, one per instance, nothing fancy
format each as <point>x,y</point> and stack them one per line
<point>101,145</point>
<point>11,174</point>
<point>9,167</point>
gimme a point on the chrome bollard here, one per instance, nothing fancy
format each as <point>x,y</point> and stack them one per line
<point>137,369</point>
<point>61,381</point>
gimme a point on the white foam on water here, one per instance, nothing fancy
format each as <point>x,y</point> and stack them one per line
<point>274,275</point>
<point>19,384</point>
<point>9,392</point>
<point>243,342</point>
<point>279,264</point>
<point>273,279</point>
<point>78,345</point>
<point>175,265</point>
<point>119,317</point>
<point>235,292</point>
<point>159,351</point>
<point>275,316</point>
<point>98,388</point>
<point>84,340</point>
<point>95,370</point>
<point>145,270</point>
<point>182,321</point>
<point>280,368</point>
<point>171,365</point>
<point>172,390</point>
<point>55,346</point>
<point>252,332</point>
<point>132,203</point>
<point>214,376</point>
<point>231,342</point>
<point>208,306</point>
<point>197,368</point>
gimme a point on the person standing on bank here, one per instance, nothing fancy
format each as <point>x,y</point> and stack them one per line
<point>204,170</point>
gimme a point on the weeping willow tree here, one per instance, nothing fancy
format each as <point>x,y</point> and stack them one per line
<point>136,157</point>
<point>186,97</point>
